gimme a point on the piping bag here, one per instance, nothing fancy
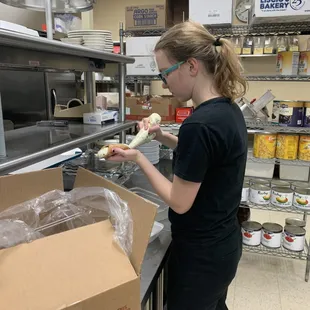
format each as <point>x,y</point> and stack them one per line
<point>142,137</point>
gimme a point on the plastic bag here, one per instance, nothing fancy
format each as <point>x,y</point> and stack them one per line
<point>57,211</point>
<point>14,232</point>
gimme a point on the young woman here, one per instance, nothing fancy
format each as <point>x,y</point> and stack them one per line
<point>209,164</point>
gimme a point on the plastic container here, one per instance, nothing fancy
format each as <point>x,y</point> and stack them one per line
<point>162,208</point>
<point>294,238</point>
<point>260,194</point>
<point>270,43</point>
<point>282,197</point>
<point>251,233</point>
<point>287,146</point>
<point>301,198</point>
<point>272,235</point>
<point>259,43</point>
<point>282,44</point>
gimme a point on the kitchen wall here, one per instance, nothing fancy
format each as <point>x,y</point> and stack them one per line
<point>30,19</point>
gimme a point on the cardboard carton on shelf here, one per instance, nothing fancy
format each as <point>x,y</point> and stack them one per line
<point>139,107</point>
<point>182,114</point>
<point>148,17</point>
<point>81,268</point>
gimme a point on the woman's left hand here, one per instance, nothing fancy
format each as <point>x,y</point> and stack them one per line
<point>125,155</point>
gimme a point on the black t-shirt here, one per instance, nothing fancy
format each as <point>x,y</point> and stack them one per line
<point>212,150</point>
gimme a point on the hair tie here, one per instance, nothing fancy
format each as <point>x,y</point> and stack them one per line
<point>218,44</point>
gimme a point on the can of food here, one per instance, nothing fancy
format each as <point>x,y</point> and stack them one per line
<point>272,235</point>
<point>260,194</point>
<point>266,182</point>
<point>280,183</point>
<point>291,113</point>
<point>301,198</point>
<point>251,233</point>
<point>275,112</point>
<point>264,145</point>
<point>291,221</point>
<point>294,238</point>
<point>304,148</point>
<point>282,197</point>
<point>245,190</point>
<point>287,146</point>
<point>307,114</point>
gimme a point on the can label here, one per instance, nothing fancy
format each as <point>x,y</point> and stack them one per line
<point>264,145</point>
<point>304,68</point>
<point>250,237</point>
<point>289,116</point>
<point>304,148</point>
<point>260,197</point>
<point>271,239</point>
<point>287,147</point>
<point>293,243</point>
<point>279,199</point>
<point>307,117</point>
<point>301,201</point>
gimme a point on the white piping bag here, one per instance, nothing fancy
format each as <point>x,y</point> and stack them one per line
<point>143,135</point>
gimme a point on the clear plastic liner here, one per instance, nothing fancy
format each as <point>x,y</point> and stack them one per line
<point>57,211</point>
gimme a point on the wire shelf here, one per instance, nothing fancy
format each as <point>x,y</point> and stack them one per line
<point>277,161</point>
<point>278,78</point>
<point>280,252</point>
<point>257,125</point>
<point>261,29</point>
<point>143,33</point>
<point>271,207</point>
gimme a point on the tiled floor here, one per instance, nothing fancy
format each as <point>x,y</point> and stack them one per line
<point>269,283</point>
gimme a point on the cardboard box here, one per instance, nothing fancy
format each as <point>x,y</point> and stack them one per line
<point>137,108</point>
<point>147,17</point>
<point>143,65</point>
<point>278,11</point>
<point>182,114</point>
<point>79,269</point>
<point>209,12</point>
<point>141,46</point>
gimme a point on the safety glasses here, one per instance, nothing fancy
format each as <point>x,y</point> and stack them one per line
<point>162,75</point>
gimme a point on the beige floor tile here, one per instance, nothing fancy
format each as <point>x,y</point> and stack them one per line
<point>291,302</point>
<point>250,299</point>
<point>231,297</point>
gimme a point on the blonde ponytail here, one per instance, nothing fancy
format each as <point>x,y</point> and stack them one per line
<point>191,40</point>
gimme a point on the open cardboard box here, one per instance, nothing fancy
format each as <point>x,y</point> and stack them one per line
<point>80,269</point>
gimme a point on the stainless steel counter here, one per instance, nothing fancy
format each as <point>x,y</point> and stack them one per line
<point>28,145</point>
<point>158,251</point>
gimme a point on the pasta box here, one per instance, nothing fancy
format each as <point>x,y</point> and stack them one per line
<point>182,114</point>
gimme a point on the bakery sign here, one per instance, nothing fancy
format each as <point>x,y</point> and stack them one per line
<point>282,5</point>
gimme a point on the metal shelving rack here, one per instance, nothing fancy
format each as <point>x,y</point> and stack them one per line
<point>281,252</point>
<point>54,56</point>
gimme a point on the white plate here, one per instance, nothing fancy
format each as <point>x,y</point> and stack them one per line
<point>89,31</point>
<point>157,228</point>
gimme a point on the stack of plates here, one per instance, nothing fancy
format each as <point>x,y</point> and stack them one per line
<point>94,39</point>
<point>74,41</point>
<point>151,151</point>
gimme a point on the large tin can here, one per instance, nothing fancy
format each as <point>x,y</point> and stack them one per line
<point>307,114</point>
<point>304,148</point>
<point>272,235</point>
<point>291,113</point>
<point>287,146</point>
<point>264,144</point>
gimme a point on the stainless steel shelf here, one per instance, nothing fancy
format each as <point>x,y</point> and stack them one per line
<point>275,128</point>
<point>281,252</point>
<point>144,33</point>
<point>271,207</point>
<point>29,145</point>
<point>42,54</point>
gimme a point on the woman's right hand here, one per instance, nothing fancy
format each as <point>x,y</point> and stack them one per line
<point>155,129</point>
